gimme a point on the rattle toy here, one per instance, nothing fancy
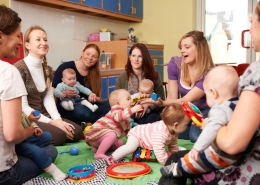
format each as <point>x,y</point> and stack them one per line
<point>128,170</point>
<point>155,96</point>
<point>73,150</point>
<point>81,173</point>
<point>192,112</point>
<point>36,113</point>
<point>145,154</point>
<point>133,100</point>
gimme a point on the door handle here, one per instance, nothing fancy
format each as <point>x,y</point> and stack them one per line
<point>243,39</point>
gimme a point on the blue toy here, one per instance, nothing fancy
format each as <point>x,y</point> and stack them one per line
<point>155,96</point>
<point>73,151</point>
<point>36,113</point>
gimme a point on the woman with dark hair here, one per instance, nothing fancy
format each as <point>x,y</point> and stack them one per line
<point>37,77</point>
<point>88,75</point>
<point>14,169</point>
<point>140,66</point>
<point>241,135</point>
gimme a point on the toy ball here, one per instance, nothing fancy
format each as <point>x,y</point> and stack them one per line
<point>74,150</point>
<point>36,113</point>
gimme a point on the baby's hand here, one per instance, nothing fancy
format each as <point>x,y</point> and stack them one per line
<point>137,108</point>
<point>194,154</point>
<point>92,97</point>
<point>33,118</point>
<point>62,95</point>
<point>37,131</point>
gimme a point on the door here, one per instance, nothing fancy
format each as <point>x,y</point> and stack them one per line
<point>126,7</point>
<point>223,22</point>
<point>92,3</point>
<point>111,5</point>
<point>138,8</point>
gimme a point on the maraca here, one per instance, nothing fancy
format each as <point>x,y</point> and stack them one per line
<point>73,150</point>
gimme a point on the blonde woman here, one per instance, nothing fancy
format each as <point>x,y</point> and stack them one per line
<point>186,76</point>
<point>241,135</point>
<point>37,77</point>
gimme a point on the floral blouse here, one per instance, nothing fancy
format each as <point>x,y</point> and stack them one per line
<point>245,171</point>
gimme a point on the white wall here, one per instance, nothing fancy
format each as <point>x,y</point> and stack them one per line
<point>66,31</point>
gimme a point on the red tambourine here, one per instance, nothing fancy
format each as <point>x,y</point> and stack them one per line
<point>192,112</point>
<point>128,170</point>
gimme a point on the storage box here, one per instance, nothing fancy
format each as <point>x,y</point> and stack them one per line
<point>104,36</point>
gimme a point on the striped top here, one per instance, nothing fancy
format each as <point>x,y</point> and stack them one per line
<point>116,120</point>
<point>25,121</point>
<point>155,136</point>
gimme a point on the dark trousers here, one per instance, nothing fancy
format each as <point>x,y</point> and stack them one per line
<point>174,180</point>
<point>59,136</point>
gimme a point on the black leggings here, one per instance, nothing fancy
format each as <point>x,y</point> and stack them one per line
<point>174,180</point>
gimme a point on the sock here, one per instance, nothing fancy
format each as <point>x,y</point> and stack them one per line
<point>65,105</point>
<point>95,107</point>
<point>57,174</point>
<point>70,104</point>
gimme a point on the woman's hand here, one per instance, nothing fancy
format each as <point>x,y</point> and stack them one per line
<point>158,102</point>
<point>69,93</point>
<point>66,127</point>
<point>92,97</point>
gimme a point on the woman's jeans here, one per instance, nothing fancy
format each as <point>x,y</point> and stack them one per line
<point>25,169</point>
<point>192,132</point>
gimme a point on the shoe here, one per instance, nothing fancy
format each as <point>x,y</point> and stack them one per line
<point>110,160</point>
<point>167,171</point>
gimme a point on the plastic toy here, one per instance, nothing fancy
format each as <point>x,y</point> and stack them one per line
<point>144,154</point>
<point>155,96</point>
<point>81,173</point>
<point>128,170</point>
<point>138,98</point>
<point>36,113</point>
<point>73,151</point>
<point>192,112</point>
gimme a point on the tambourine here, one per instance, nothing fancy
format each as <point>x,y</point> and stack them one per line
<point>192,112</point>
<point>81,173</point>
<point>128,170</point>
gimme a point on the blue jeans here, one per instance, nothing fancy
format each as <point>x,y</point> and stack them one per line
<point>192,132</point>
<point>32,148</point>
<point>25,169</point>
<point>81,113</point>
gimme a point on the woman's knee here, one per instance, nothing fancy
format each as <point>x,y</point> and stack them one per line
<point>58,138</point>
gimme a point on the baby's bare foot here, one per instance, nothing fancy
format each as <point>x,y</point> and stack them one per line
<point>93,150</point>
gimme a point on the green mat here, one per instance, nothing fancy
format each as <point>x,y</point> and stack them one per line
<point>66,160</point>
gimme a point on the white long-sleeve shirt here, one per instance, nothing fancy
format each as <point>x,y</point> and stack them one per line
<point>36,70</point>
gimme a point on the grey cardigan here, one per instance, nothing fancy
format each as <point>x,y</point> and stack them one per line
<point>122,83</point>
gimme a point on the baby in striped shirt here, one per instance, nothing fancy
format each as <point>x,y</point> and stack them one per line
<point>155,136</point>
<point>105,133</point>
